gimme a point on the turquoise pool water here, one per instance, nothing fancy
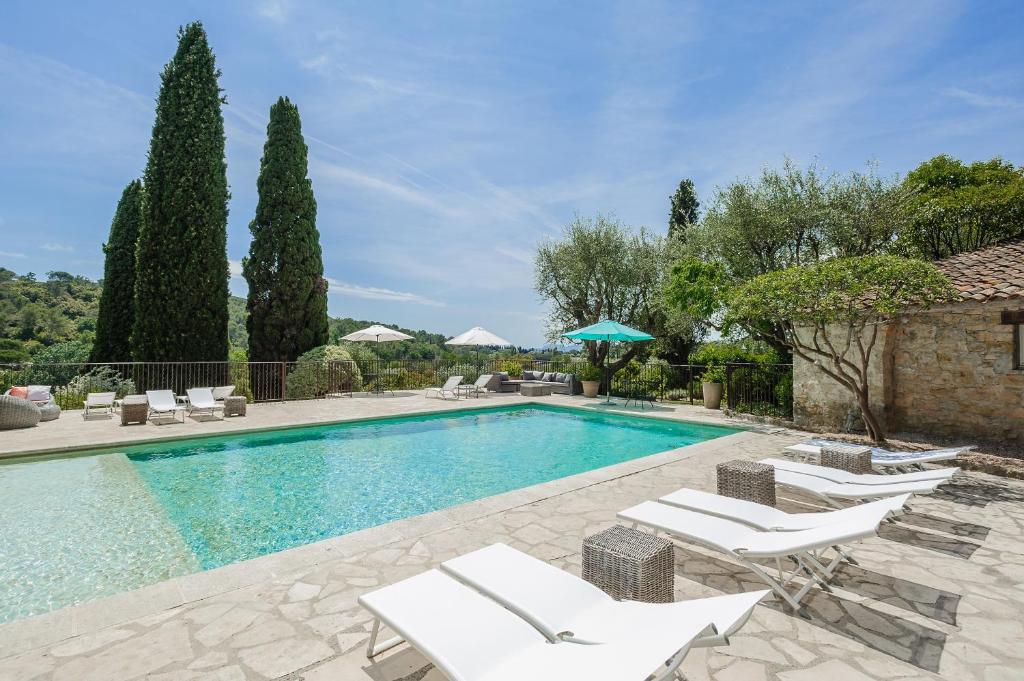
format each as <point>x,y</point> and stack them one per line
<point>82,527</point>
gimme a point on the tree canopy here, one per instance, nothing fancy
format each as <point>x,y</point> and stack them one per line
<point>181,278</point>
<point>684,210</point>
<point>116,315</point>
<point>830,313</point>
<point>958,207</point>
<point>287,299</point>
<point>601,269</point>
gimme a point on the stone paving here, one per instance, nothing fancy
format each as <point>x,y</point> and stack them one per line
<point>937,595</point>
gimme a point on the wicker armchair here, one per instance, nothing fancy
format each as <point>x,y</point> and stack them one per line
<point>17,413</point>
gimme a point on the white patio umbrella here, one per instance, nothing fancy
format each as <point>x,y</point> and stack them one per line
<point>478,335</point>
<point>376,333</point>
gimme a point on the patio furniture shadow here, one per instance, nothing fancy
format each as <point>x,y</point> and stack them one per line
<point>902,639</point>
<point>979,493</point>
<point>960,529</point>
<point>927,540</point>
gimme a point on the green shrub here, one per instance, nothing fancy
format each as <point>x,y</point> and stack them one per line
<point>714,374</point>
<point>323,370</point>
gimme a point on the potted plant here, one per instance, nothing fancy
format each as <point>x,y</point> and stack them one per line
<point>513,369</point>
<point>590,379</point>
<point>713,384</point>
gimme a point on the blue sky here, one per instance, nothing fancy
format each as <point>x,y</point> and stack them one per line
<point>448,138</point>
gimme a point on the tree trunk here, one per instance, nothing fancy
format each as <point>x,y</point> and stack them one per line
<point>875,431</point>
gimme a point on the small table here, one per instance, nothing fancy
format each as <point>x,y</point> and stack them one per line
<point>134,409</point>
<point>628,564</point>
<point>747,480</point>
<point>534,390</point>
<point>852,458</point>
<point>234,405</point>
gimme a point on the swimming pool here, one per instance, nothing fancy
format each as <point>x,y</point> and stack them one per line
<point>77,528</point>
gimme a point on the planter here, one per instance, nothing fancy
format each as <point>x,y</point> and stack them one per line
<point>590,388</point>
<point>712,395</point>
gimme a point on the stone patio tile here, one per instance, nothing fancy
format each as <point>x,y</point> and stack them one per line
<point>132,658</point>
<point>284,657</point>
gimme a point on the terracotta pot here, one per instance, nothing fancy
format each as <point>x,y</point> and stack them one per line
<point>712,395</point>
<point>590,388</point>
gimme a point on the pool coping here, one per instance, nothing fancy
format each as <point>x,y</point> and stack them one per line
<point>61,451</point>
<point>156,600</point>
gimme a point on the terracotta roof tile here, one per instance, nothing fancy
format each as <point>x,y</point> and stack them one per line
<point>996,271</point>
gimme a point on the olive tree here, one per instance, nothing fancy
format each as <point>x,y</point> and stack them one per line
<point>602,269</point>
<point>830,314</point>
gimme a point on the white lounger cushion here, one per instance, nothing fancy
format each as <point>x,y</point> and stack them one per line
<point>162,401</point>
<point>769,518</point>
<point>838,490</point>
<point>559,603</point>
<point>733,537</point>
<point>469,637</point>
<point>838,475</point>
<point>885,457</point>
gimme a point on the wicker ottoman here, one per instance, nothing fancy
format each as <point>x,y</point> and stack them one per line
<point>134,409</point>
<point>630,565</point>
<point>49,411</point>
<point>747,480</point>
<point>852,458</point>
<point>234,405</point>
<point>17,413</point>
<point>534,390</point>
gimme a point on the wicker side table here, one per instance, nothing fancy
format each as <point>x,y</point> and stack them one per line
<point>747,480</point>
<point>234,405</point>
<point>850,458</point>
<point>628,564</point>
<point>134,409</point>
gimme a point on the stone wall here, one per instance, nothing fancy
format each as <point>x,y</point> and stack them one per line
<point>947,371</point>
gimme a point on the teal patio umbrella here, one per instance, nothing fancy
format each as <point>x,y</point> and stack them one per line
<point>608,331</point>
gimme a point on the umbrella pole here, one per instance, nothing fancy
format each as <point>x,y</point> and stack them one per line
<point>607,376</point>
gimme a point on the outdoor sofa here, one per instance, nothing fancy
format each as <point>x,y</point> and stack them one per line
<point>565,384</point>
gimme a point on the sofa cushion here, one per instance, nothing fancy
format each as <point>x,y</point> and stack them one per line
<point>532,375</point>
<point>39,393</point>
<point>545,376</point>
<point>562,378</point>
<point>503,375</point>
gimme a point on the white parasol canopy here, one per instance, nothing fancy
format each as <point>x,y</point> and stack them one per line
<point>376,333</point>
<point>478,335</point>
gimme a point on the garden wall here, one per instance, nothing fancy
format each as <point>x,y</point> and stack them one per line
<point>948,371</point>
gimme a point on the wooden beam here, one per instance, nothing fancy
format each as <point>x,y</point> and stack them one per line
<point>1012,317</point>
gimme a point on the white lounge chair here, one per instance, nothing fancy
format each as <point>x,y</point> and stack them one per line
<point>469,637</point>
<point>833,492</point>
<point>202,400</point>
<point>478,387</point>
<point>885,458</point>
<point>744,543</point>
<point>450,387</point>
<point>222,391</point>
<point>564,607</point>
<point>839,475</point>
<point>99,401</point>
<point>772,519</point>
<point>164,403</point>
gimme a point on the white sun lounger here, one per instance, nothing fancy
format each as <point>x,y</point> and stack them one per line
<point>839,475</point>
<point>885,458</point>
<point>163,403</point>
<point>564,607</point>
<point>96,401</point>
<point>772,519</point>
<point>202,400</point>
<point>469,637</point>
<point>832,492</point>
<point>744,543</point>
<point>222,391</point>
<point>450,387</point>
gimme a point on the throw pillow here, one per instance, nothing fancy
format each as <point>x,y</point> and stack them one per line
<point>19,392</point>
<point>39,393</point>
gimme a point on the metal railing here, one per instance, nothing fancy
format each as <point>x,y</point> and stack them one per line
<point>763,389</point>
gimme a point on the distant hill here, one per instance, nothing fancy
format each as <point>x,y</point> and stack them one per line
<point>35,315</point>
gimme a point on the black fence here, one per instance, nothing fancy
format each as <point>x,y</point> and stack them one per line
<point>762,389</point>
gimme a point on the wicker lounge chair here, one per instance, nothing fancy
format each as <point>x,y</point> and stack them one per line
<point>17,413</point>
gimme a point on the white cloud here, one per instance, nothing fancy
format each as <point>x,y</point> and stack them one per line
<point>56,247</point>
<point>275,10</point>
<point>235,268</point>
<point>982,100</point>
<point>375,293</point>
<point>8,254</point>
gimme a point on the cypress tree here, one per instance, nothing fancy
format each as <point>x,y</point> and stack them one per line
<point>287,300</point>
<point>117,303</point>
<point>181,285</point>
<point>684,210</point>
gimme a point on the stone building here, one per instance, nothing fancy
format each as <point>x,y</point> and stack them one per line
<point>955,370</point>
